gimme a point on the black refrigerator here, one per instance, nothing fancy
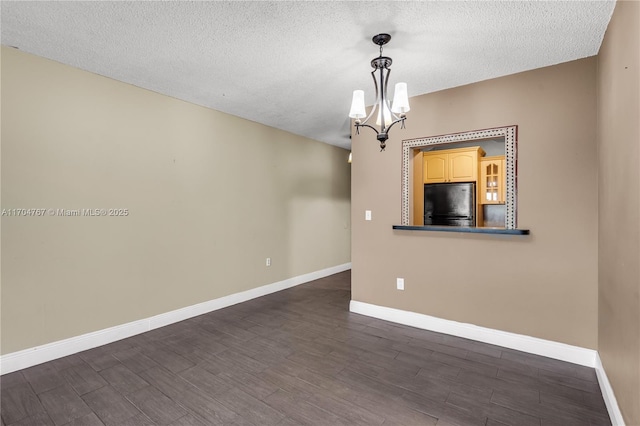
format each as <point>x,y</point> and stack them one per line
<point>450,204</point>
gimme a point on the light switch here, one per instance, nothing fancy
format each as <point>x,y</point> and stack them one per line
<point>367,215</point>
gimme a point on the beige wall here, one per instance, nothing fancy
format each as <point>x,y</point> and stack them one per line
<point>619,207</point>
<point>210,197</point>
<point>542,285</point>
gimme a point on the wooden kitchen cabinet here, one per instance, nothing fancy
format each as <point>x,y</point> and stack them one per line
<point>452,165</point>
<point>492,180</point>
<point>435,167</point>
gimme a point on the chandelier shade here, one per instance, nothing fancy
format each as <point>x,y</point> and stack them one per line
<point>357,105</point>
<point>387,115</point>
<point>400,99</point>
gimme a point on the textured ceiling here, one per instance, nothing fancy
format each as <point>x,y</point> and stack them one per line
<point>294,65</point>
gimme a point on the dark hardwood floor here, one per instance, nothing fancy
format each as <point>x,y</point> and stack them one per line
<point>299,357</point>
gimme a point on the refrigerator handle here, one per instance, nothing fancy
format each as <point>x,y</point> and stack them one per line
<point>450,216</point>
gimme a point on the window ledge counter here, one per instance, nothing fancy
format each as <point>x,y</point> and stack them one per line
<point>464,229</point>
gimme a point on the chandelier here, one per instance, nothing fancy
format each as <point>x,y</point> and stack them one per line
<point>386,115</point>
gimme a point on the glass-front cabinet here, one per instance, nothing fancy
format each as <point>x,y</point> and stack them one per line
<point>492,180</point>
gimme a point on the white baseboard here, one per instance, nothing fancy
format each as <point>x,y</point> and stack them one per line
<point>607,394</point>
<point>534,345</point>
<point>37,355</point>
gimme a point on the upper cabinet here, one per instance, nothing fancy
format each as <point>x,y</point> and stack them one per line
<point>435,167</point>
<point>452,165</point>
<point>492,180</point>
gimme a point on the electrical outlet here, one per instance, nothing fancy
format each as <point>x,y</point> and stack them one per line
<point>268,262</point>
<point>400,283</point>
<point>367,215</point>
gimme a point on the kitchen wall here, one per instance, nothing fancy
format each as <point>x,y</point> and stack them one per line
<point>619,205</point>
<point>209,197</point>
<point>543,285</point>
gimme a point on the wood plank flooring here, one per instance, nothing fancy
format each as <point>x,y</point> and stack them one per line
<point>299,357</point>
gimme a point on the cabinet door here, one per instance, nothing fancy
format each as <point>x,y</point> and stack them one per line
<point>435,168</point>
<point>492,181</point>
<point>463,167</point>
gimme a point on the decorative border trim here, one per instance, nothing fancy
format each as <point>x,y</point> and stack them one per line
<point>37,355</point>
<point>510,134</point>
<point>520,342</point>
<point>607,393</point>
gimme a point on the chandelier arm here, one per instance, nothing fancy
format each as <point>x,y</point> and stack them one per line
<point>367,125</point>
<point>400,119</point>
<point>384,101</point>
<point>395,116</point>
<point>375,105</point>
